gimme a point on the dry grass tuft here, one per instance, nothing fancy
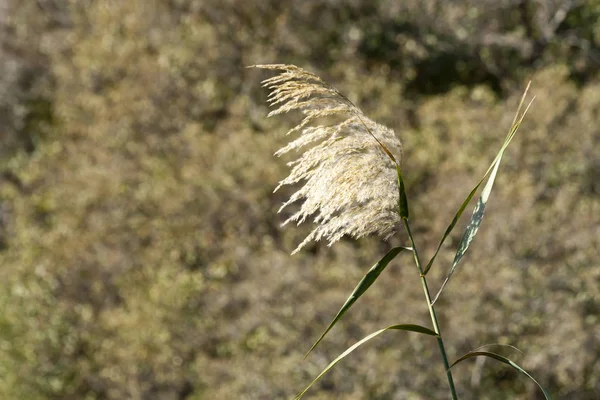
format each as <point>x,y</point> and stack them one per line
<point>347,170</point>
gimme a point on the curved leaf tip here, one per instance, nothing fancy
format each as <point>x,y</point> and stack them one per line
<point>504,360</point>
<point>404,327</point>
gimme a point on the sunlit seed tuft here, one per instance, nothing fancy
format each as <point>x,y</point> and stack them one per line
<point>349,182</point>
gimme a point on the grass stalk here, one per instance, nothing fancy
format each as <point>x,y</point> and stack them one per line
<point>431,308</point>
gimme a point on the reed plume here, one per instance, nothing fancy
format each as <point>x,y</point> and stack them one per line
<point>347,170</point>
<point>352,185</point>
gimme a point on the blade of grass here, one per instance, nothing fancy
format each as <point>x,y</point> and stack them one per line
<point>500,345</point>
<point>402,200</point>
<point>479,210</point>
<point>503,360</point>
<point>404,327</point>
<point>493,167</point>
<point>471,229</point>
<point>360,289</point>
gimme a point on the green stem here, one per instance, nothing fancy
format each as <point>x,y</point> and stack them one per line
<point>436,326</point>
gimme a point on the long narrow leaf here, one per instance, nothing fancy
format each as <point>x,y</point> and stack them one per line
<point>404,327</point>
<point>505,361</point>
<point>493,168</point>
<point>471,229</point>
<point>402,200</point>
<point>360,289</point>
<point>499,345</point>
<point>479,209</point>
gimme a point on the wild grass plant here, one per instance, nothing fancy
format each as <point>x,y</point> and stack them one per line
<point>351,184</point>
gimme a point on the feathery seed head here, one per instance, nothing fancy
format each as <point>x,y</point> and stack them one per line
<point>347,169</point>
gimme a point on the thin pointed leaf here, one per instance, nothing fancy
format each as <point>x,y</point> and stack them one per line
<point>404,327</point>
<point>493,167</point>
<point>402,200</point>
<point>505,361</point>
<point>479,209</point>
<point>501,345</point>
<point>452,225</point>
<point>360,289</point>
<point>471,229</point>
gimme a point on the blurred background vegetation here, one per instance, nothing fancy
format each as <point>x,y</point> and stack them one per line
<point>140,249</point>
